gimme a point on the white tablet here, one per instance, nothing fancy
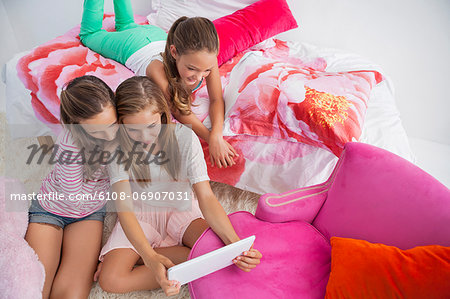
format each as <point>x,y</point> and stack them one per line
<point>209,262</point>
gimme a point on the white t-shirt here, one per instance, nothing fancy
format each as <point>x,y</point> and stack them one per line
<point>163,191</point>
<point>139,61</point>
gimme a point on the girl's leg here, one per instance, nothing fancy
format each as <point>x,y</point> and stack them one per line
<point>194,231</point>
<point>46,240</point>
<point>81,247</point>
<point>119,45</point>
<point>124,15</point>
<point>118,274</point>
<point>92,19</point>
<point>109,44</point>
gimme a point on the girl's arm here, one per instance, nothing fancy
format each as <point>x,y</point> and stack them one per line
<point>130,225</point>
<point>214,213</point>
<point>217,104</point>
<point>221,152</point>
<point>129,222</point>
<point>218,220</point>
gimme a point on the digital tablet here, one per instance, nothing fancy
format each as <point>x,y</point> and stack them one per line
<point>209,262</point>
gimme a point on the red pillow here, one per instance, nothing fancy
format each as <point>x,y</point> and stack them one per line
<point>251,25</point>
<point>360,269</point>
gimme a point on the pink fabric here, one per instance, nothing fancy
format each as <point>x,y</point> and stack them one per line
<point>299,204</point>
<point>164,228</point>
<point>283,245</point>
<point>21,273</point>
<point>13,213</point>
<point>382,198</point>
<point>78,197</point>
<point>288,98</point>
<point>372,195</point>
<point>49,66</point>
<point>251,25</point>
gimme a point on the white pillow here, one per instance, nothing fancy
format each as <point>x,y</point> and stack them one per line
<point>165,12</point>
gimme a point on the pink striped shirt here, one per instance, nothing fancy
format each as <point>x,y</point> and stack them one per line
<point>80,197</point>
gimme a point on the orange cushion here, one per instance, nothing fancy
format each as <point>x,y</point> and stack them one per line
<point>360,269</point>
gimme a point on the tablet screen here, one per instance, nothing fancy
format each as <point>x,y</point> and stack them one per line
<point>209,262</point>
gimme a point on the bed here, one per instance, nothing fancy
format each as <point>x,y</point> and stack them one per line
<point>290,106</point>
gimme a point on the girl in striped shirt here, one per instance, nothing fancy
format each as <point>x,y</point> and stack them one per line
<point>66,219</point>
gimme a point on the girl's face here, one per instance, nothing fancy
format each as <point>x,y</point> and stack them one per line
<point>143,126</point>
<point>193,66</point>
<point>103,125</point>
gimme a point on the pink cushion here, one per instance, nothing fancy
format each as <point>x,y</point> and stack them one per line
<point>382,198</point>
<point>21,273</point>
<point>296,262</point>
<point>284,97</point>
<point>13,213</point>
<point>251,25</point>
<point>299,204</point>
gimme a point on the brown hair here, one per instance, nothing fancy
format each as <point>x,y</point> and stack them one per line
<point>135,95</point>
<point>83,98</point>
<point>187,34</point>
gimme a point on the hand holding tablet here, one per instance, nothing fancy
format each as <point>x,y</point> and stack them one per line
<point>209,262</point>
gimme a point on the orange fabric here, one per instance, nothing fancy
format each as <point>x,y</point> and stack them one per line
<point>360,269</point>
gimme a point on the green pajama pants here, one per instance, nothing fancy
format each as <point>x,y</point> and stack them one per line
<point>125,41</point>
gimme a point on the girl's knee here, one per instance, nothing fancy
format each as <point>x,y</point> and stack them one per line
<point>70,289</point>
<point>111,282</point>
<point>71,283</point>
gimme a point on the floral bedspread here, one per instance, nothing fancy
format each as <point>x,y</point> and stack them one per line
<point>288,113</point>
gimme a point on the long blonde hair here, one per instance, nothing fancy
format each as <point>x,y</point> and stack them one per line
<point>83,98</point>
<point>134,95</point>
<point>187,35</point>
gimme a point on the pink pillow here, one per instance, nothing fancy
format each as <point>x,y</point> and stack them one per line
<point>295,262</point>
<point>293,97</point>
<point>251,25</point>
<point>21,273</point>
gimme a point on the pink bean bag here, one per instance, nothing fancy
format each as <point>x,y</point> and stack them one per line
<point>372,195</point>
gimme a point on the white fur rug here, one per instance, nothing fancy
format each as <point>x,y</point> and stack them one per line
<point>14,153</point>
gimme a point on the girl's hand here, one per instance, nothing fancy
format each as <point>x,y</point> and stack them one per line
<point>221,153</point>
<point>97,272</point>
<point>248,260</point>
<point>159,265</point>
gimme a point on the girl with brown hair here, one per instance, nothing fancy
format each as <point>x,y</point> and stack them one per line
<point>66,217</point>
<point>189,58</point>
<point>165,205</point>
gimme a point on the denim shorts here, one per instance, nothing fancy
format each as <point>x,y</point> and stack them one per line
<point>37,214</point>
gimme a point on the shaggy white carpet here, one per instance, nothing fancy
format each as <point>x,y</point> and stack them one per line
<point>14,154</point>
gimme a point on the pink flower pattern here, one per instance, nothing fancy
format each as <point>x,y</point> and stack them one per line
<point>275,118</point>
<point>286,98</point>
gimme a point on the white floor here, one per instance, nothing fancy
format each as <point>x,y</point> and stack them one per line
<point>433,157</point>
